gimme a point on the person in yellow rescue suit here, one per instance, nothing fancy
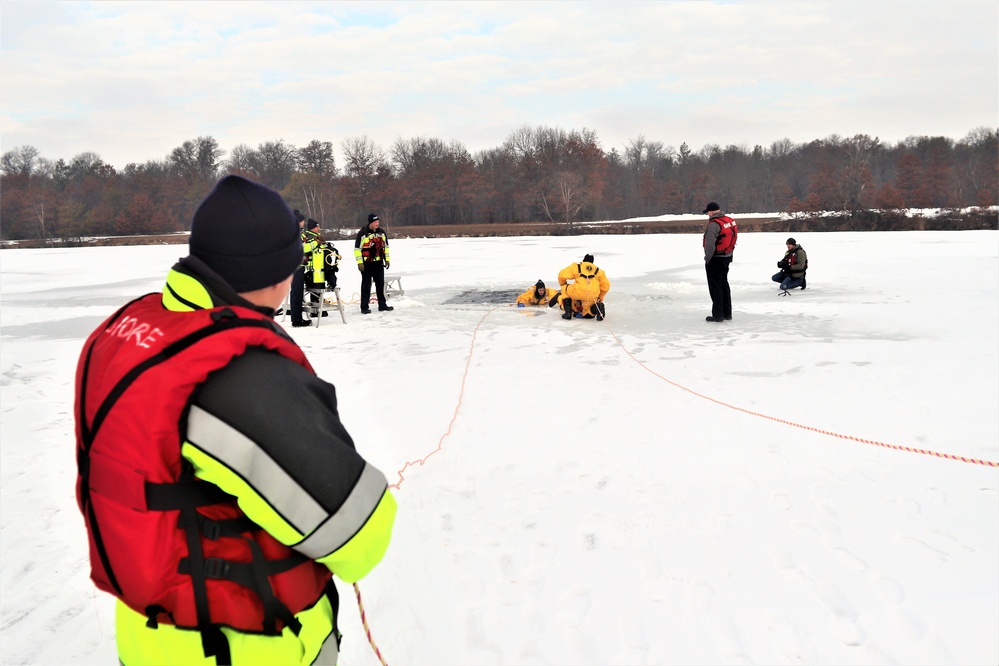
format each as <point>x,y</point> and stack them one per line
<point>219,487</point>
<point>584,287</point>
<point>536,295</point>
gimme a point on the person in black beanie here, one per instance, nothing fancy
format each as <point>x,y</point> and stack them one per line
<point>371,252</point>
<point>536,294</point>
<point>219,489</point>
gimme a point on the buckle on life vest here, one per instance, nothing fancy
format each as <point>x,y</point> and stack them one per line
<point>211,530</point>
<point>216,567</point>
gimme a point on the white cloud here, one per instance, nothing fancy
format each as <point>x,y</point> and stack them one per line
<point>131,81</point>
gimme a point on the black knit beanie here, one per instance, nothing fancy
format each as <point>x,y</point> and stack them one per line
<point>247,234</point>
<point>588,258</point>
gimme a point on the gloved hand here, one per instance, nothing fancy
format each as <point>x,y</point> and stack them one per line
<point>520,305</point>
<point>386,265</point>
<point>360,267</point>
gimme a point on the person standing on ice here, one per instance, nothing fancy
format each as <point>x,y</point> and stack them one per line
<point>584,287</point>
<point>297,296</point>
<point>792,267</point>
<point>219,488</point>
<point>371,252</point>
<point>536,295</point>
<point>719,243</point>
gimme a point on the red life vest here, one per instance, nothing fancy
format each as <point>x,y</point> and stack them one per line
<point>168,545</point>
<point>727,234</point>
<point>373,247</point>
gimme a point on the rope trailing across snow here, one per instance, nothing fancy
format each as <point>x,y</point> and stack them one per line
<point>367,630</point>
<point>897,447</point>
<point>421,461</point>
<point>457,407</point>
<point>461,394</point>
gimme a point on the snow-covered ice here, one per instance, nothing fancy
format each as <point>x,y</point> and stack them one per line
<point>652,489</point>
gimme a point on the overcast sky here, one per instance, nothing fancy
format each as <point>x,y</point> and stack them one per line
<point>133,80</point>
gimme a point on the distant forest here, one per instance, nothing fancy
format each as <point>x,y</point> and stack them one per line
<point>538,174</point>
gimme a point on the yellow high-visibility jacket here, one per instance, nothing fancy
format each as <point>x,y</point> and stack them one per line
<point>312,246</point>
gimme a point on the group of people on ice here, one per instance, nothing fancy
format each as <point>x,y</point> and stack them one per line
<point>582,289</point>
<point>321,262</point>
<point>583,286</point>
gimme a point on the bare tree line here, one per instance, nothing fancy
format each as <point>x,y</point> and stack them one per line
<point>537,174</point>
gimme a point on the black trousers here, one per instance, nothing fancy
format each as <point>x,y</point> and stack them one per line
<point>297,295</point>
<point>373,271</point>
<point>721,294</point>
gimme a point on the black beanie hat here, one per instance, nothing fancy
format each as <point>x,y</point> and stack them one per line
<point>311,224</point>
<point>372,217</point>
<point>298,216</point>
<point>790,241</point>
<point>588,258</point>
<point>711,207</point>
<point>247,234</point>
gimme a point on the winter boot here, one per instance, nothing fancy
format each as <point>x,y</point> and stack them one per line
<point>802,282</point>
<point>567,306</point>
<point>601,311</point>
<point>554,301</point>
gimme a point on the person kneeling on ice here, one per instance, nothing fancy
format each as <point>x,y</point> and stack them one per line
<point>792,267</point>
<point>536,295</point>
<point>219,488</point>
<point>584,287</point>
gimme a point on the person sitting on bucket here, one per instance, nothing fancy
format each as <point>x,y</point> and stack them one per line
<point>584,287</point>
<point>536,295</point>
